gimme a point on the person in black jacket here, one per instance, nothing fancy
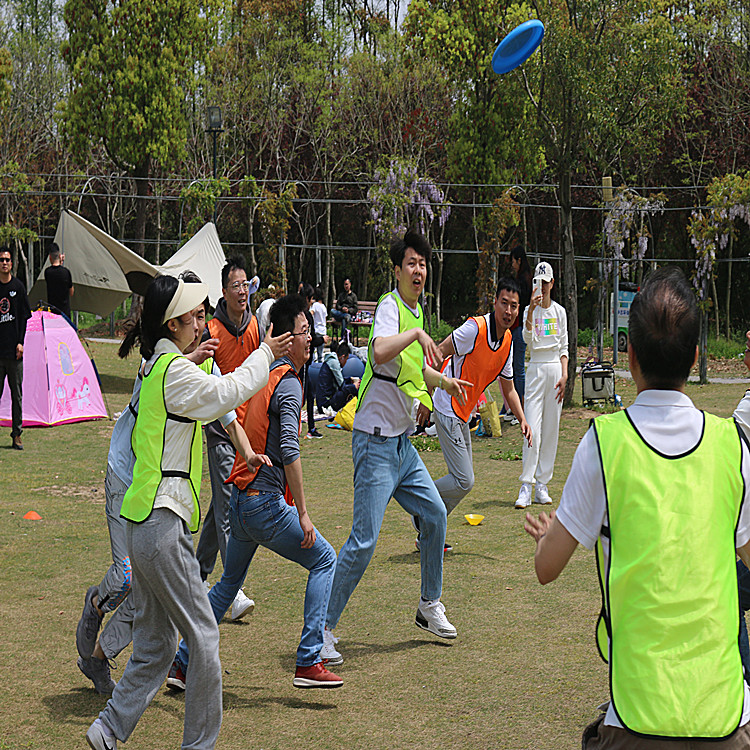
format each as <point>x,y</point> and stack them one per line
<point>334,391</point>
<point>59,283</point>
<point>14,312</point>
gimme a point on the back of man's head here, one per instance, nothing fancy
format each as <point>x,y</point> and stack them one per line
<point>342,350</point>
<point>284,313</point>
<point>664,328</point>
<point>54,253</point>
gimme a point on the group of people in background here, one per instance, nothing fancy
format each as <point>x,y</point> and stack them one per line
<point>251,394</point>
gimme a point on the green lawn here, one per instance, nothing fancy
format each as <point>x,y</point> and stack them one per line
<point>523,672</point>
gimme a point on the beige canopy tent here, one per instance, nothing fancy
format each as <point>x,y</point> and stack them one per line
<point>204,255</point>
<point>104,271</point>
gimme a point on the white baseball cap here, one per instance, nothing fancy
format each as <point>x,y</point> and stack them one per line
<point>544,272</point>
<point>186,298</point>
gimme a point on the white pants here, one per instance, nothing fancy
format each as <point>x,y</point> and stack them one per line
<point>543,415</point>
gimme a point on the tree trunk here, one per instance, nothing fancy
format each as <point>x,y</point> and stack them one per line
<point>569,282</point>
<point>141,209</point>
<point>251,239</point>
<point>715,296</point>
<point>703,349</point>
<point>729,285</point>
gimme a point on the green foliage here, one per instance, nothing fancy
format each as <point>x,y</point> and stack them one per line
<point>724,348</point>
<point>588,335</point>
<point>509,455</point>
<point>201,197</point>
<point>131,65</point>
<point>274,212</point>
<point>439,328</point>
<point>6,69</point>
<point>489,123</point>
<point>425,443</point>
<point>10,233</point>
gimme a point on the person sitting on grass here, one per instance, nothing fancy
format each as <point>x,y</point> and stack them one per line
<point>334,391</point>
<point>260,514</point>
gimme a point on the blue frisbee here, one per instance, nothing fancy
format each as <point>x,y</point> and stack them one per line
<point>518,46</point>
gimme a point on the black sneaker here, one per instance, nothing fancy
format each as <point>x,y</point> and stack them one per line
<point>88,625</point>
<point>313,434</point>
<point>97,670</point>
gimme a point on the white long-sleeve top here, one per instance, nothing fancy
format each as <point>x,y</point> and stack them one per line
<point>192,393</point>
<point>548,338</point>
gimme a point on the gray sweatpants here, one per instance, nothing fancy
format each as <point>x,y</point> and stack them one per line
<point>168,596</point>
<point>455,442</point>
<point>115,587</point>
<point>215,531</point>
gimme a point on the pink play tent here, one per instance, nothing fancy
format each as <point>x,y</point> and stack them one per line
<point>59,382</point>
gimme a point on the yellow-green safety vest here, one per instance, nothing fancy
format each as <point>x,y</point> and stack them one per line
<point>669,625</point>
<point>410,378</point>
<point>148,446</point>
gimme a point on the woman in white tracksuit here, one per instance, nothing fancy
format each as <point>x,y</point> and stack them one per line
<point>545,331</point>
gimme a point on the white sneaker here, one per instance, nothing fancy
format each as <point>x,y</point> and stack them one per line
<point>328,653</point>
<point>241,605</point>
<point>541,495</point>
<point>100,737</point>
<point>508,417</point>
<point>207,585</point>
<point>524,496</point>
<point>431,616</point>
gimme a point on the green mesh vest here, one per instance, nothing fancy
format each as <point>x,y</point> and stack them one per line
<point>670,617</point>
<point>148,446</point>
<point>410,379</point>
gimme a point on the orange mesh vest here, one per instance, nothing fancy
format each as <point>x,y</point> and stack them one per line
<point>480,367</point>
<point>255,425</point>
<point>234,350</point>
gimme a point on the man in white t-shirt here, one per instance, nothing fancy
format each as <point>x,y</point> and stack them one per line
<point>480,351</point>
<point>386,464</point>
<point>662,491</point>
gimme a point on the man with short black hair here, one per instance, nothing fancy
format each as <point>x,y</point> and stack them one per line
<point>661,490</point>
<point>14,312</point>
<point>235,329</point>
<point>259,510</point>
<point>59,283</point>
<point>400,361</point>
<point>480,351</point>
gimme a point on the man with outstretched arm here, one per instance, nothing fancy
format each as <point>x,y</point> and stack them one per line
<point>400,367</point>
<point>661,491</point>
<point>480,350</point>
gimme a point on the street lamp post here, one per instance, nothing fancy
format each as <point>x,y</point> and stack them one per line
<point>214,126</point>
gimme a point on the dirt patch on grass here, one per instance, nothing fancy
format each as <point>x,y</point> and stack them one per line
<point>579,412</point>
<point>91,492</point>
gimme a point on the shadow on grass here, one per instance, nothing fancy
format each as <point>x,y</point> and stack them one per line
<point>116,384</point>
<point>510,503</point>
<point>412,558</point>
<point>234,701</point>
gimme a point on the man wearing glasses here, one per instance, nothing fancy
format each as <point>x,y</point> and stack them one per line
<point>261,506</point>
<point>14,312</point>
<point>234,330</point>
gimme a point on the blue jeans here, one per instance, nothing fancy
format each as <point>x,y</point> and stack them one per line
<point>743,581</point>
<point>386,467</point>
<point>342,318</point>
<point>519,361</point>
<point>267,520</point>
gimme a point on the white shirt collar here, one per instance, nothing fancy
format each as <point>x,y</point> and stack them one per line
<point>656,397</point>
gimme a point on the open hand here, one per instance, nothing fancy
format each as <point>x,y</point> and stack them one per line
<point>538,527</point>
<point>279,345</point>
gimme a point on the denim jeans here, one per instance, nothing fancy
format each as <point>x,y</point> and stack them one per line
<point>386,467</point>
<point>267,520</point>
<point>519,361</point>
<point>342,318</point>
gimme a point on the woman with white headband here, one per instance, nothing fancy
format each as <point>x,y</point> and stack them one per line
<point>162,510</point>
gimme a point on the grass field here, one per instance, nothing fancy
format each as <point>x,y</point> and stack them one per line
<point>523,672</point>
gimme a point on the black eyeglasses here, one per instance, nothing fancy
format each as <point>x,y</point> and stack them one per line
<point>6,260</point>
<point>306,332</point>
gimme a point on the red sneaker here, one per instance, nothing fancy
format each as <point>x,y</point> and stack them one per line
<point>316,676</point>
<point>176,677</point>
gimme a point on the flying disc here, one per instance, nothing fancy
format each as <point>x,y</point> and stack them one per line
<point>474,518</point>
<point>518,46</point>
